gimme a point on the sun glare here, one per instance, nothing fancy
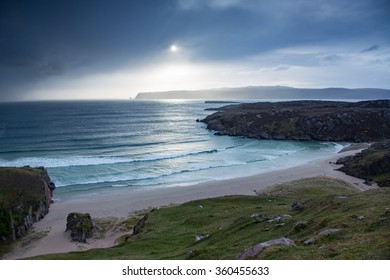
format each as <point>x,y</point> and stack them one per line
<point>173,48</point>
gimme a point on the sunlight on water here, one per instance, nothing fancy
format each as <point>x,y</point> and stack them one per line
<point>89,146</point>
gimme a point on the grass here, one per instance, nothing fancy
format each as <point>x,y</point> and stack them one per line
<point>231,224</point>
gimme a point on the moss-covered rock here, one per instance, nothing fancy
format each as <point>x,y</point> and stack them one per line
<point>25,197</point>
<point>80,226</point>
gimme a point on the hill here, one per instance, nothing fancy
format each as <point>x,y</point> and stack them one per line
<point>334,222</point>
<point>269,92</point>
<point>305,120</point>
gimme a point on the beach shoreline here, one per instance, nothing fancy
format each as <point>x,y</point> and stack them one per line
<point>115,205</point>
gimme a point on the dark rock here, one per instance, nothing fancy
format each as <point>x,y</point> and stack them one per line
<point>372,164</point>
<point>80,226</point>
<point>259,248</point>
<point>193,253</point>
<point>296,206</point>
<point>52,187</point>
<point>140,225</point>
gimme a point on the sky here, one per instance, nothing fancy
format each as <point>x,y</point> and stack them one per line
<point>53,49</point>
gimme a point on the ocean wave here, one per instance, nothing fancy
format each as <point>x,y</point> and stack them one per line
<point>90,147</point>
<point>128,180</point>
<point>93,161</point>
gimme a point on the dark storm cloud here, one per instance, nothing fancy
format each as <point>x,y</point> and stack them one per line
<point>42,39</point>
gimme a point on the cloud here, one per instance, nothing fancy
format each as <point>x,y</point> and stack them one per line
<point>282,68</point>
<point>50,41</point>
<point>372,48</point>
<point>217,4</point>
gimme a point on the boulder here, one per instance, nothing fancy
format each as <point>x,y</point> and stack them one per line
<point>296,206</point>
<point>325,232</point>
<point>259,248</point>
<point>80,226</point>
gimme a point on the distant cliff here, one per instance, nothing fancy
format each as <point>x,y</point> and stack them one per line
<point>305,120</point>
<point>269,92</point>
<point>25,197</point>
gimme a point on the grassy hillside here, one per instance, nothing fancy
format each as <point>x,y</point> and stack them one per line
<point>228,225</point>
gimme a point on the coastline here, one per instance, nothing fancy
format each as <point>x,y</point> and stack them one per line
<point>114,205</point>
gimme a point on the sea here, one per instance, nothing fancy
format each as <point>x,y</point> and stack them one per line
<point>99,147</point>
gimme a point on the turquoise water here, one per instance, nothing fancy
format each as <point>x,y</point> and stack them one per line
<point>98,146</point>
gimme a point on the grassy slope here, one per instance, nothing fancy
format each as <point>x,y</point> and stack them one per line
<point>170,232</point>
<point>19,185</point>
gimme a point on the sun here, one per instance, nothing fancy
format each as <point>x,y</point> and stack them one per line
<point>173,48</point>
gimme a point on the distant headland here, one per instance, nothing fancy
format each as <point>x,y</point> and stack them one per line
<point>269,92</point>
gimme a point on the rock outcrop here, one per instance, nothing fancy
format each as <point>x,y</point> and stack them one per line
<point>372,164</point>
<point>305,120</point>
<point>140,225</point>
<point>25,198</point>
<point>320,235</point>
<point>259,248</point>
<point>80,226</point>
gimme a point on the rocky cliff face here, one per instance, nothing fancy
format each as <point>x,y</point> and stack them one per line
<point>305,120</point>
<point>372,164</point>
<point>25,197</point>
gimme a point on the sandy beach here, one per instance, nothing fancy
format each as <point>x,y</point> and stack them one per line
<point>56,240</point>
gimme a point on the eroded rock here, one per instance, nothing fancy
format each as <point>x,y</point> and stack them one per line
<point>80,226</point>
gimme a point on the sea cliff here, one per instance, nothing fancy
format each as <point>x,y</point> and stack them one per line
<point>25,197</point>
<point>363,121</point>
<point>372,164</point>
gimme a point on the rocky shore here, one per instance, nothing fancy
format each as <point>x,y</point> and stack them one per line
<point>364,121</point>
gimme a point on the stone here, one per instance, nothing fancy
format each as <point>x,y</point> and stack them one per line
<point>328,231</point>
<point>276,219</point>
<point>80,226</point>
<point>202,236</point>
<point>259,248</point>
<point>257,215</point>
<point>313,239</point>
<point>296,206</point>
